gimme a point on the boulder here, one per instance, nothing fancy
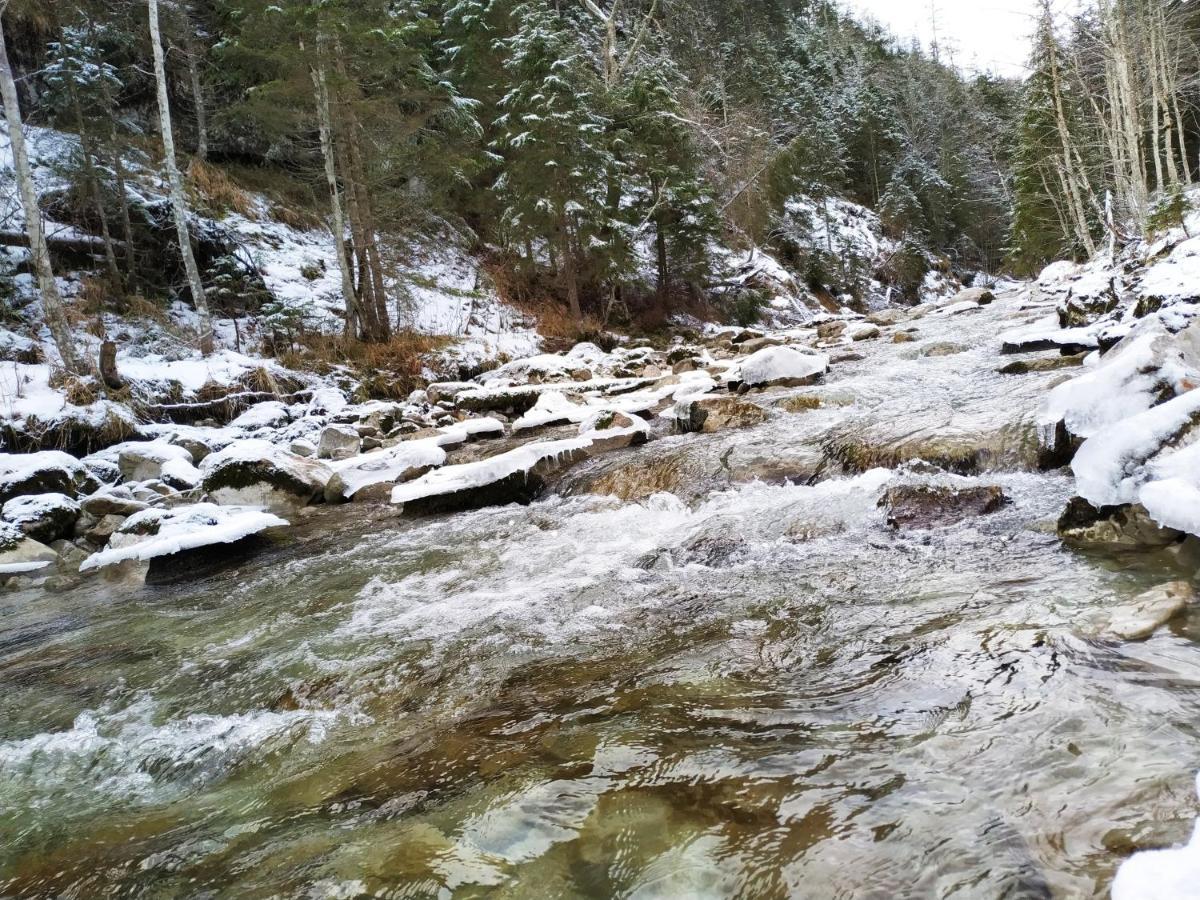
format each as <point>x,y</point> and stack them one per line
<point>1045,364</point>
<point>372,475</point>
<point>903,337</point>
<point>339,442</point>
<point>978,296</point>
<point>258,473</point>
<point>111,501</point>
<point>932,506</point>
<point>831,331</point>
<point>44,472</point>
<point>270,414</point>
<point>753,345</point>
<point>708,415</point>
<point>1147,612</point>
<point>22,555</point>
<point>886,317</point>
<point>43,517</point>
<point>864,331</point>
<point>157,460</point>
<point>1085,526</point>
<point>779,367</point>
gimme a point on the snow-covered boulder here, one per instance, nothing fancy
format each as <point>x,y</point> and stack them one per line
<point>258,473</point>
<point>271,414</point>
<point>779,367</point>
<point>552,408</point>
<point>156,533</point>
<point>21,555</point>
<point>327,401</point>
<point>361,477</point>
<point>517,476</point>
<point>1048,335</point>
<point>542,369</point>
<point>158,460</point>
<point>45,472</point>
<point>43,517</point>
<point>339,442</point>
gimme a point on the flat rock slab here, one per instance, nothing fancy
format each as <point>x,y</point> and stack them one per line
<point>926,506</point>
<point>1148,612</point>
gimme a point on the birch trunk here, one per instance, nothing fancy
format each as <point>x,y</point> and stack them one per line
<point>325,123</point>
<point>178,202</point>
<point>52,305</point>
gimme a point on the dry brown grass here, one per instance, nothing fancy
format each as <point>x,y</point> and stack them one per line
<point>388,371</point>
<point>215,191</point>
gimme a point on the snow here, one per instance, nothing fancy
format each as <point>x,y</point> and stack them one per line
<point>453,479</point>
<point>24,510</point>
<point>263,415</point>
<point>1110,466</point>
<point>180,529</point>
<point>1172,874</point>
<point>388,466</point>
<point>777,364</point>
<point>1172,493</point>
<point>15,468</point>
<point>551,407</point>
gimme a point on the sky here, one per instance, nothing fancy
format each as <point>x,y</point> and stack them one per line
<point>981,35</point>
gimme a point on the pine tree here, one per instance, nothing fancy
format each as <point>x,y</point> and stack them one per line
<point>557,166</point>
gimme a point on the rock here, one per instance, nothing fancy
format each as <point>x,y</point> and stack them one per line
<point>755,344</point>
<point>863,332</point>
<point>447,390</point>
<point>43,517</point>
<point>798,403</point>
<point>45,472</point>
<point>70,556</point>
<point>339,442</point>
<point>1045,364</point>
<point>157,460</point>
<point>257,473</point>
<point>942,348</point>
<point>104,529</point>
<point>21,555</point>
<point>683,366</point>
<point>112,501</point>
<point>932,506</point>
<point>779,367</point>
<point>903,337</point>
<point>831,331</point>
<point>1147,612</point>
<point>707,415</point>
<point>418,398</point>
<point>886,317</point>
<point>269,414</point>
<point>1112,527</point>
<point>303,447</point>
<point>978,296</point>
<point>517,476</point>
<point>371,443</point>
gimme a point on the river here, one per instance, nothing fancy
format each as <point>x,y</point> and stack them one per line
<point>746,685</point>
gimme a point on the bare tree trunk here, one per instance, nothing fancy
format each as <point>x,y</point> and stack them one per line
<point>52,305</point>
<point>325,122</point>
<point>197,95</point>
<point>178,202</point>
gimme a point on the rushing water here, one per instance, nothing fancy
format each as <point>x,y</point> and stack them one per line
<point>744,688</point>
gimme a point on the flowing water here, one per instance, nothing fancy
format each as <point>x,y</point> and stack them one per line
<point>749,686</point>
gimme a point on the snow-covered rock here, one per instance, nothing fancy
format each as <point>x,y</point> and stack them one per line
<point>271,414</point>
<point>552,408</point>
<point>339,442</point>
<point>1161,874</point>
<point>155,533</point>
<point>257,473</point>
<point>43,517</point>
<point>45,472</point>
<point>513,477</point>
<point>21,555</point>
<point>353,478</point>
<point>157,460</point>
<point>779,367</point>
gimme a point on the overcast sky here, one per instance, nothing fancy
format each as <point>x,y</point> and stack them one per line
<point>987,35</point>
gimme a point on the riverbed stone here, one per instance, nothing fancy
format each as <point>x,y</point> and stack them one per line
<point>1148,612</point>
<point>339,442</point>
<point>932,506</point>
<point>708,415</point>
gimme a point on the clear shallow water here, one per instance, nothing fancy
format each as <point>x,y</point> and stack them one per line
<point>761,692</point>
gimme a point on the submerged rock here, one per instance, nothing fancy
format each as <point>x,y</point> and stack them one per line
<point>932,506</point>
<point>1147,612</point>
